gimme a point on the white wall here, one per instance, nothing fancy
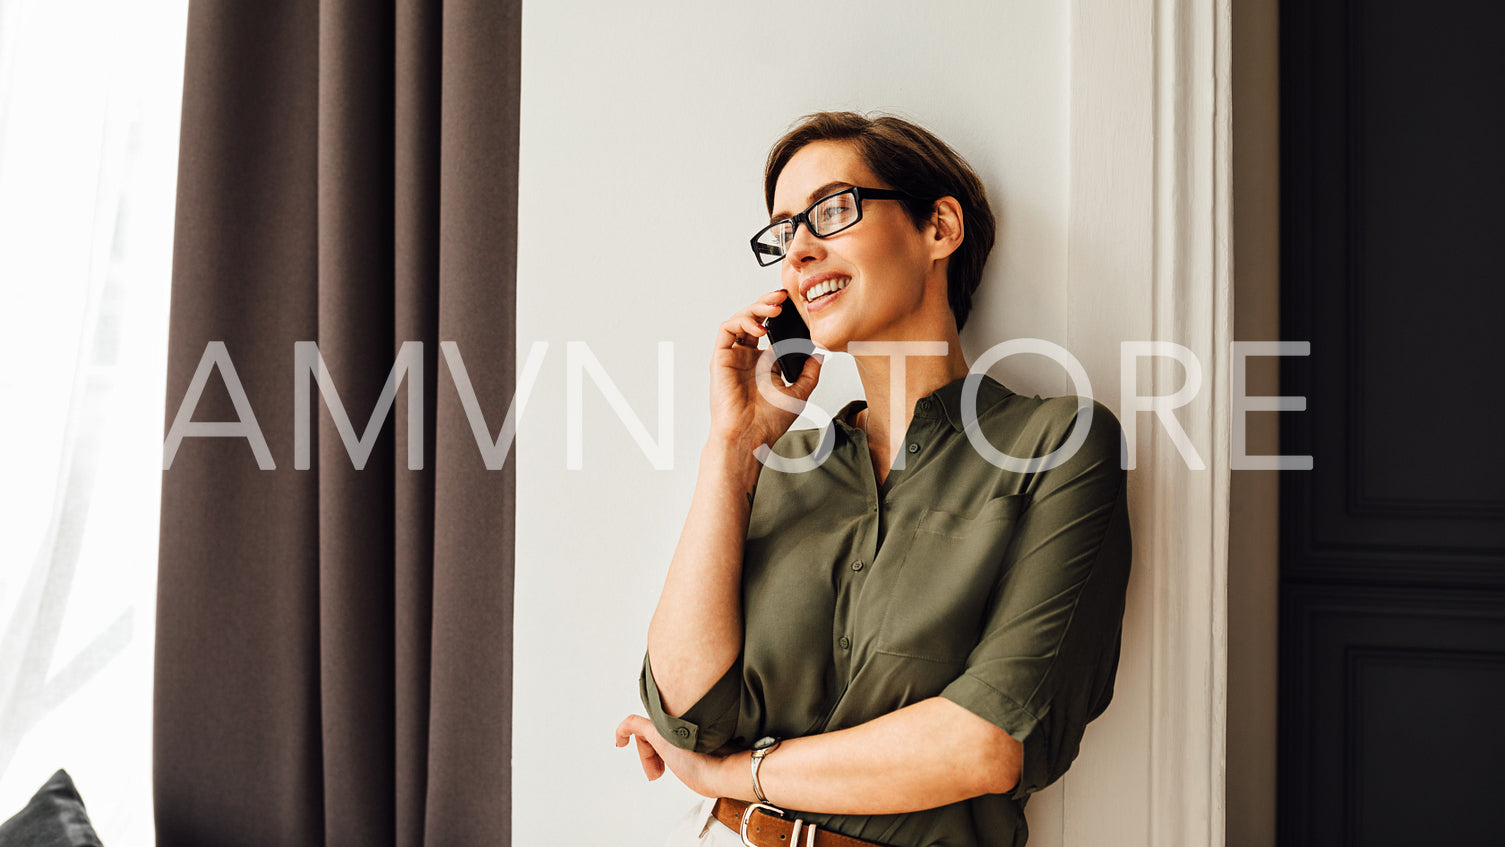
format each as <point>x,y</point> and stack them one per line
<point>643,137</point>
<point>90,92</point>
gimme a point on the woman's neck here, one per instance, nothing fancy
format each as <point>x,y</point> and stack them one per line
<point>893,383</point>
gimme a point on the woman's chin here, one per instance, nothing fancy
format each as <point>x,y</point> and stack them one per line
<point>827,339</point>
<point>830,332</point>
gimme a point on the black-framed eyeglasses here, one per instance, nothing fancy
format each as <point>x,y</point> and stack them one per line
<point>825,217</point>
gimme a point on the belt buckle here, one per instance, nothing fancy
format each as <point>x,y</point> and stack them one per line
<point>774,811</point>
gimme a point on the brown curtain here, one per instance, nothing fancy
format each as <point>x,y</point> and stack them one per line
<point>334,646</point>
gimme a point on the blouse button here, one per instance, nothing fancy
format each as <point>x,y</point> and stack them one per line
<point>856,566</point>
<point>846,643</point>
<point>914,447</point>
<point>681,732</point>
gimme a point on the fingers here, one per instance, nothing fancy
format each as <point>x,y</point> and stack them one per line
<point>746,327</point>
<point>770,304</point>
<point>803,384</point>
<point>740,329</point>
<point>653,764</point>
<point>809,376</point>
<point>632,725</point>
<point>774,297</point>
<point>637,727</point>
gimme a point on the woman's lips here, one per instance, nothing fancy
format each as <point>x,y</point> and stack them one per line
<point>824,301</point>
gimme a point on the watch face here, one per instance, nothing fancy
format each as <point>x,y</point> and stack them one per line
<point>764,743</point>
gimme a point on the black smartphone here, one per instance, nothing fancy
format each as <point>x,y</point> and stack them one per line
<point>787,325</point>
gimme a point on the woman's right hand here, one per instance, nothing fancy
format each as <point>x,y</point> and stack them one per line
<point>741,414</point>
<point>696,631</point>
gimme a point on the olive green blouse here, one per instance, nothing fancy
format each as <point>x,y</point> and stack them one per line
<point>1002,591</point>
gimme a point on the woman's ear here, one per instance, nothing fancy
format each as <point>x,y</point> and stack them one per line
<point>948,227</point>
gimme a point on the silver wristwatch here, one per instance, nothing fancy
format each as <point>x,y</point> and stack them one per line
<point>761,748</point>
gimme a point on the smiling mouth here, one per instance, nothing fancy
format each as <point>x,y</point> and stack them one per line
<point>823,289</point>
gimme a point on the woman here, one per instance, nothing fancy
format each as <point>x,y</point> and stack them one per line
<point>913,637</point>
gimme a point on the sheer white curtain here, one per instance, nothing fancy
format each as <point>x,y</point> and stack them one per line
<point>89,99</point>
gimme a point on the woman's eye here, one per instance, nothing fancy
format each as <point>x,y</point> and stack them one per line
<point>835,211</point>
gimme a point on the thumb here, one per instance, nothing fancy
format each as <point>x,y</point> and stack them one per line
<point>809,376</point>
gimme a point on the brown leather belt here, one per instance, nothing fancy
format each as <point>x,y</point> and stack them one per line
<point>761,825</point>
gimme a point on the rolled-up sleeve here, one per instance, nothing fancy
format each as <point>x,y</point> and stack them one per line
<point>708,724</point>
<point>1049,650</point>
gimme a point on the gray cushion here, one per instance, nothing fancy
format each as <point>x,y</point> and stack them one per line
<point>55,817</point>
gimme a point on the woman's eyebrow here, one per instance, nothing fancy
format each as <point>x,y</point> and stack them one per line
<point>828,188</point>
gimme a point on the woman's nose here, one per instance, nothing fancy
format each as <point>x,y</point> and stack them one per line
<point>803,246</point>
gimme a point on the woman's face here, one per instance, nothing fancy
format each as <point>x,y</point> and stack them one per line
<point>884,262</point>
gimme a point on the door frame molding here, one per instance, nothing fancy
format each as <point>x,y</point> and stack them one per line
<point>1150,257</point>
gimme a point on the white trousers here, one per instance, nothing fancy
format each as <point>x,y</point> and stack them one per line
<point>697,828</point>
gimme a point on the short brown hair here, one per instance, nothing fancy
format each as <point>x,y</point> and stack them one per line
<point>911,159</point>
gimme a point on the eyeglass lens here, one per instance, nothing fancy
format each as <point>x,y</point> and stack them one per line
<point>828,216</point>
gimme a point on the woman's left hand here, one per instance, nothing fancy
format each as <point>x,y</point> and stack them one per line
<point>700,772</point>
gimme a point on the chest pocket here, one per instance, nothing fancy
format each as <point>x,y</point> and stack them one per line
<point>938,602</point>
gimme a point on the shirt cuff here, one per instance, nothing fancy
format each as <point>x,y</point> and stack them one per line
<point>999,709</point>
<point>704,727</point>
